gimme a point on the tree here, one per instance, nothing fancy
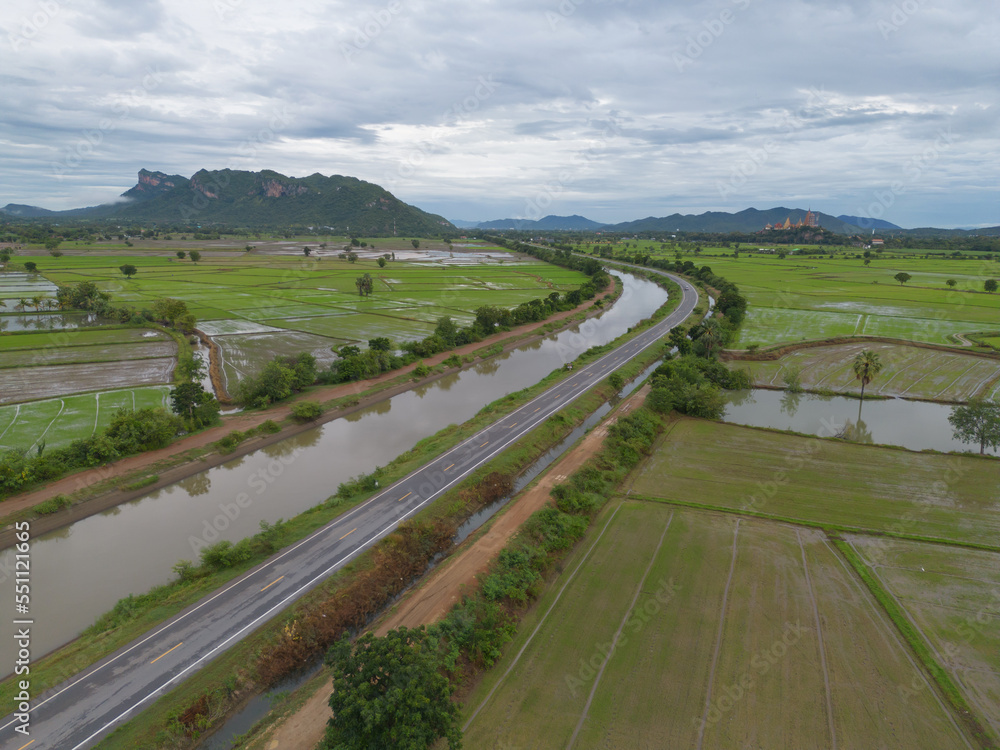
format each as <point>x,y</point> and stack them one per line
<point>866,366</point>
<point>381,262</point>
<point>616,381</point>
<point>389,693</point>
<point>195,256</point>
<point>31,267</point>
<point>128,270</point>
<point>365,284</point>
<point>415,243</point>
<point>380,344</point>
<point>977,422</point>
<point>181,254</point>
<point>306,251</point>
<point>990,285</point>
<point>951,283</point>
<point>193,403</point>
<point>52,243</point>
<point>902,277</point>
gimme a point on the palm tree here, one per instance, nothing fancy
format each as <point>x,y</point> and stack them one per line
<point>22,304</point>
<point>36,302</point>
<point>866,366</point>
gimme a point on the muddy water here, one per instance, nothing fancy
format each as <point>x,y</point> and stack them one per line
<point>916,425</point>
<point>82,570</point>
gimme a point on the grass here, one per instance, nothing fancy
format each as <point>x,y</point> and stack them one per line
<point>907,371</point>
<point>674,673</point>
<point>59,421</point>
<point>951,598</point>
<point>893,491</point>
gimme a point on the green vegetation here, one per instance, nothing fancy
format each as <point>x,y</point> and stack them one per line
<point>977,422</point>
<point>306,411</point>
<point>802,480</point>
<point>952,376</point>
<point>130,431</point>
<point>389,692</point>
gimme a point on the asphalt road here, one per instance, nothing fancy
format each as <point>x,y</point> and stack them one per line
<point>78,713</point>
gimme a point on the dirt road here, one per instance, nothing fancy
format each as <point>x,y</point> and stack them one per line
<point>446,584</point>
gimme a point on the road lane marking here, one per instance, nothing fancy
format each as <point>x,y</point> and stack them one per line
<point>512,426</point>
<point>538,409</point>
<point>348,533</point>
<point>209,600</point>
<point>24,746</point>
<point>167,652</point>
<point>446,469</point>
<point>485,444</point>
<point>271,584</point>
<point>400,500</point>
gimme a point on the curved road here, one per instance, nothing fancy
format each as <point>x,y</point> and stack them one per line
<point>79,712</point>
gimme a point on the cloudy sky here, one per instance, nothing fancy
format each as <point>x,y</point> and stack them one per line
<point>483,109</point>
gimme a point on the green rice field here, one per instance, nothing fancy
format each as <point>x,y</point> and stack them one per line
<point>907,371</point>
<point>59,421</point>
<point>679,628</point>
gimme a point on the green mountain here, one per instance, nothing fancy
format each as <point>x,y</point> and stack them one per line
<point>266,198</point>
<point>748,220</point>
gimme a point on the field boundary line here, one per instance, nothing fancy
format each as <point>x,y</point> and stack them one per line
<point>957,378</point>
<point>542,621</point>
<point>618,633</point>
<point>946,665</point>
<point>819,640</point>
<point>62,408</point>
<point>718,638</point>
<point>17,412</point>
<point>821,525</point>
<point>877,610</point>
<point>97,411</point>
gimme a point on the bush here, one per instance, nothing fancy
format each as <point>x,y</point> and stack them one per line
<point>52,505</point>
<point>306,411</point>
<point>268,427</point>
<point>421,371</point>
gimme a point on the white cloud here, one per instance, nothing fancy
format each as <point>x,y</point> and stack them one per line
<point>475,109</point>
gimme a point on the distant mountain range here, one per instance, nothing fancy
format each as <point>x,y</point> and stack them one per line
<point>865,223</point>
<point>265,198</point>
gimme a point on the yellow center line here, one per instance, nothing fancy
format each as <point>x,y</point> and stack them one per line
<point>401,499</point>
<point>166,652</point>
<point>512,426</point>
<point>446,469</point>
<point>270,584</point>
<point>24,746</point>
<point>348,533</point>
<point>485,444</point>
<point>538,409</point>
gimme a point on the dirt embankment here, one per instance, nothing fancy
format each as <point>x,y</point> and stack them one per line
<point>190,450</point>
<point>779,351</point>
<point>431,600</point>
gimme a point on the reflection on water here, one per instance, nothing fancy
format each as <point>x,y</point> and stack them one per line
<point>199,484</point>
<point>789,402</point>
<point>145,538</point>
<point>917,425</point>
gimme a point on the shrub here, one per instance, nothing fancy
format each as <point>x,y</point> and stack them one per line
<point>306,411</point>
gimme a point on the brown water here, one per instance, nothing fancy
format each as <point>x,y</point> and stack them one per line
<point>80,571</point>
